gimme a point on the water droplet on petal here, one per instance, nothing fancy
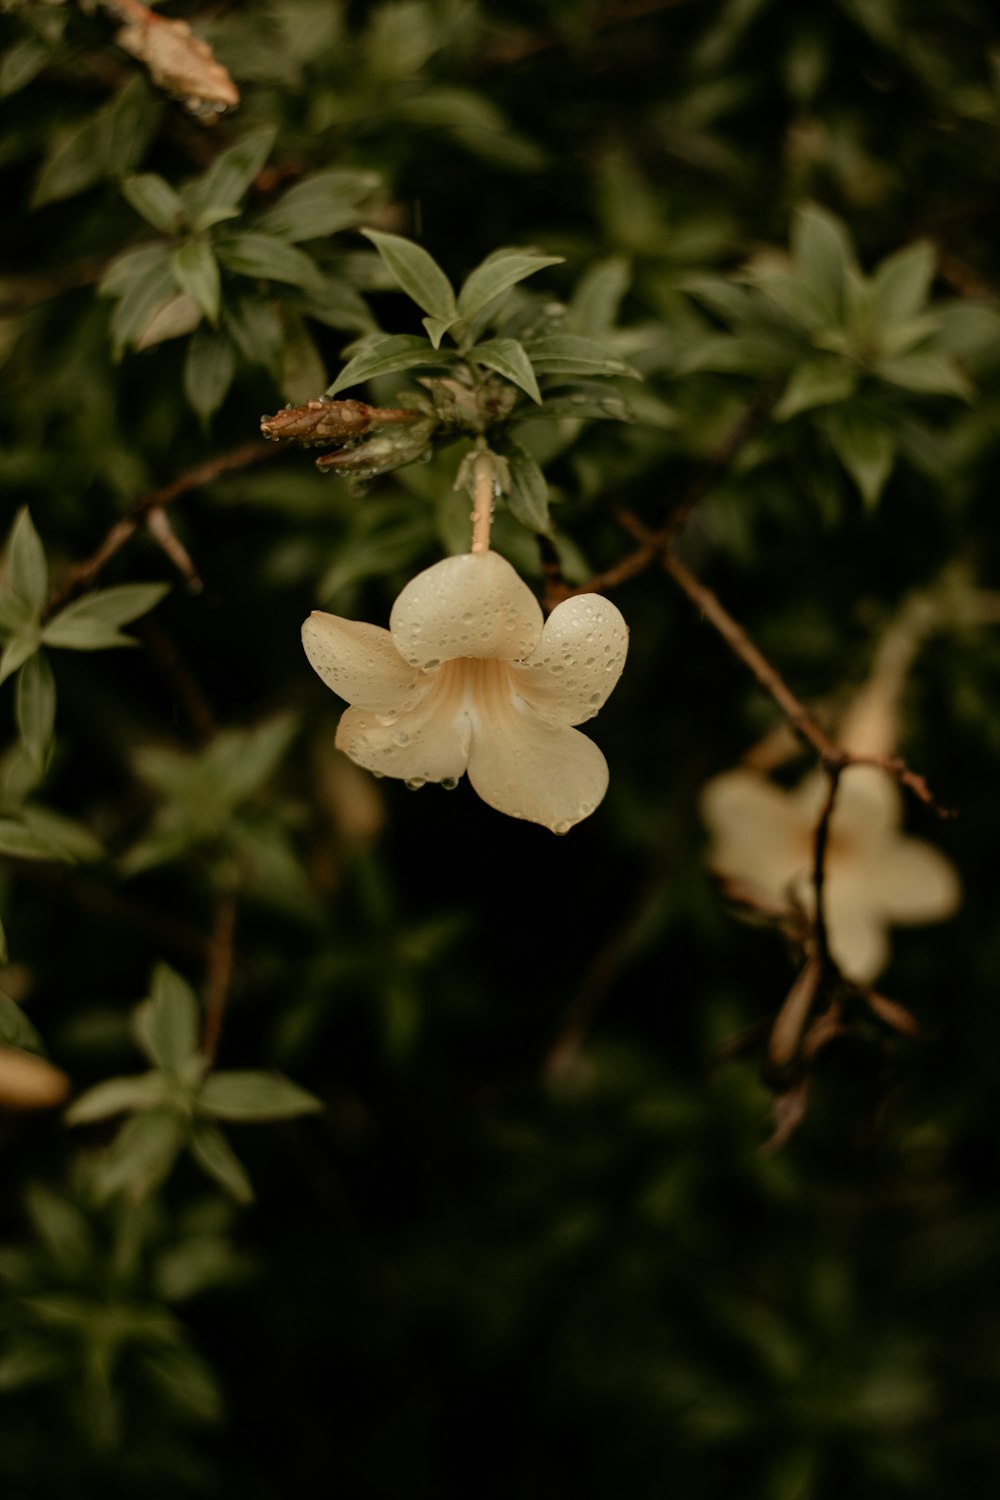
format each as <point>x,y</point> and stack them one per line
<point>413,783</point>
<point>594,698</point>
<point>431,663</point>
<point>450,783</point>
<point>401,737</point>
<point>563,826</point>
<point>379,775</point>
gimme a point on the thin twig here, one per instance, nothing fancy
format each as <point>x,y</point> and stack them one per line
<point>220,972</point>
<point>84,573</point>
<point>821,843</point>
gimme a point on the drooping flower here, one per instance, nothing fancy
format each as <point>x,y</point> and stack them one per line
<point>875,876</point>
<point>469,678</point>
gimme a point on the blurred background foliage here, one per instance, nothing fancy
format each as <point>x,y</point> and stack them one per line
<point>529,1243</point>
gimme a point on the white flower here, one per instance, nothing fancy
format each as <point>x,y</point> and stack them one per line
<point>875,877</point>
<point>470,678</point>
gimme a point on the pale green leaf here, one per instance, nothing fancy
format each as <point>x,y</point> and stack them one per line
<point>23,843</point>
<point>196,272</point>
<point>18,650</point>
<point>232,172</point>
<point>386,355</point>
<point>508,358</point>
<point>91,623</point>
<point>155,201</point>
<point>27,570</point>
<point>417,273</point>
<point>167,1024</point>
<point>816,383</point>
<point>254,1096</point>
<point>116,1096</point>
<point>823,253</point>
<point>35,707</point>
<point>321,204</point>
<point>865,447</point>
<point>215,1156</point>
<point>209,368</point>
<point>497,275</point>
<point>437,328</point>
<point>901,283</point>
<point>268,258</point>
<point>927,373</point>
<point>565,354</point>
<point>141,1155</point>
<point>528,496</point>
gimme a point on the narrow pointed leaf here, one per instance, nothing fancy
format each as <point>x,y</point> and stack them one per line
<point>417,272</point>
<point>166,1025</point>
<point>528,497</point>
<point>155,201</point>
<point>215,1156</point>
<point>196,272</point>
<point>254,1096</point>
<point>386,356</point>
<point>35,707</point>
<point>509,359</point>
<point>27,569</point>
<point>497,275</point>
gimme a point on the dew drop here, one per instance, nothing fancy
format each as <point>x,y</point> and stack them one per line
<point>563,826</point>
<point>450,783</point>
<point>413,783</point>
<point>594,698</point>
<point>431,663</point>
<point>401,737</point>
<point>379,775</point>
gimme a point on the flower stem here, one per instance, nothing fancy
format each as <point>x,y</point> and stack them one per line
<point>483,491</point>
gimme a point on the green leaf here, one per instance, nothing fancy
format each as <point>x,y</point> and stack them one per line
<point>417,273</point>
<point>565,354</point>
<point>386,355</point>
<point>528,497</point>
<point>865,448</point>
<point>23,843</point>
<point>816,383</point>
<point>437,328</point>
<point>18,650</point>
<point>508,358</point>
<point>929,374</point>
<point>266,257</point>
<point>15,1028</point>
<point>27,570</point>
<point>69,839</point>
<point>186,1382</point>
<point>593,310</point>
<point>321,204</point>
<point>21,63</point>
<point>179,316</point>
<point>91,623</point>
<point>141,1155</point>
<point>209,367</point>
<point>15,614</point>
<point>822,251</point>
<point>145,297</point>
<point>116,1096</point>
<point>901,283</point>
<point>167,1024</point>
<point>254,1096</point>
<point>232,172</point>
<point>155,201</point>
<point>196,272</point>
<point>4,957</point>
<point>497,274</point>
<point>105,145</point>
<point>215,1156</point>
<point>35,707</point>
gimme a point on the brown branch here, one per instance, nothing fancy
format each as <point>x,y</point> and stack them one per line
<point>83,574</point>
<point>821,842</point>
<point>652,543</point>
<point>219,975</point>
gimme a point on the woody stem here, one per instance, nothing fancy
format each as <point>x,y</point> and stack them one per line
<point>483,485</point>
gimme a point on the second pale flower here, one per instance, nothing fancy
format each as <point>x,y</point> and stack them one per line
<point>469,677</point>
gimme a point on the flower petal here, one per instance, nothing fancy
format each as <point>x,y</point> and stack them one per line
<point>531,767</point>
<point>869,803</point>
<point>471,605</point>
<point>578,660</point>
<point>859,942</point>
<point>429,743</point>
<point>758,832</point>
<point>360,663</point>
<point>910,881</point>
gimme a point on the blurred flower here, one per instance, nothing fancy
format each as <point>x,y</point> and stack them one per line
<point>468,677</point>
<point>876,877</point>
<point>27,1081</point>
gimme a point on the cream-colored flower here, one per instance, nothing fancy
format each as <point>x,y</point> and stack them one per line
<point>469,677</point>
<point>875,876</point>
<point>28,1081</point>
